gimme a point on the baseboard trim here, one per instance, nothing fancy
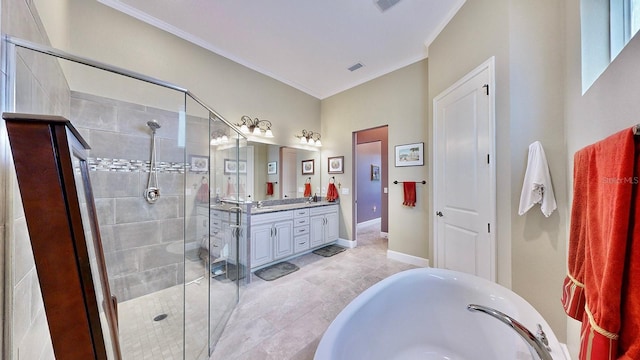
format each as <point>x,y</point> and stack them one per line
<point>368,222</point>
<point>350,244</point>
<point>407,259</point>
<point>565,350</point>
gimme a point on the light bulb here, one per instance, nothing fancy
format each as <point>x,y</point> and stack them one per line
<point>303,140</point>
<point>256,131</point>
<point>311,141</point>
<point>244,129</point>
<point>214,142</point>
<point>224,139</point>
<point>268,133</point>
<point>318,143</point>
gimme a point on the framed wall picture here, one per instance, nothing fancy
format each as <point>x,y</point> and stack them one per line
<point>375,172</point>
<point>233,166</point>
<point>199,163</point>
<point>272,168</point>
<point>336,165</point>
<point>308,167</point>
<point>410,155</point>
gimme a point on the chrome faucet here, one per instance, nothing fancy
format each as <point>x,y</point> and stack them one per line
<point>538,344</point>
<point>259,206</point>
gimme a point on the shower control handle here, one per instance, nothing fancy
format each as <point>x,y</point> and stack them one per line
<point>151,194</point>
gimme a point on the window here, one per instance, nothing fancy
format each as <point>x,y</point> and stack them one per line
<point>606,27</point>
<point>624,23</point>
<point>634,16</point>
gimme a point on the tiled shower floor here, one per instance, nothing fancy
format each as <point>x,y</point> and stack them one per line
<point>280,319</point>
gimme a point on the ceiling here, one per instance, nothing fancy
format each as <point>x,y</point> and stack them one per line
<point>307,44</point>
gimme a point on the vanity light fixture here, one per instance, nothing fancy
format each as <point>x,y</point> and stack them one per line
<point>309,138</point>
<point>255,127</point>
<point>218,139</point>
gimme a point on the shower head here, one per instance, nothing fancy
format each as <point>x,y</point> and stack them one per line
<point>153,124</point>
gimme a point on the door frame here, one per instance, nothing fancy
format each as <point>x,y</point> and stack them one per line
<point>384,178</point>
<point>488,65</point>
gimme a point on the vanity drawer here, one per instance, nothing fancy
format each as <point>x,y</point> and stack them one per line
<point>300,213</point>
<point>300,230</point>
<point>301,221</point>
<point>301,243</point>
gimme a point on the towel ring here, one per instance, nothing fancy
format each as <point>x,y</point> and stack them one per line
<point>308,181</point>
<point>332,180</point>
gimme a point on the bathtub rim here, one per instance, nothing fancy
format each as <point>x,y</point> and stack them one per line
<point>331,335</point>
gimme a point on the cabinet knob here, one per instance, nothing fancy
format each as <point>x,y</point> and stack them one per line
<point>439,213</point>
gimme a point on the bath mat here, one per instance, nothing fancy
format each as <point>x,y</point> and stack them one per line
<point>233,272</point>
<point>276,271</point>
<point>329,250</point>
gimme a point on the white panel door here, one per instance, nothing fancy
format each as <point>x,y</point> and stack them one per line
<point>464,188</point>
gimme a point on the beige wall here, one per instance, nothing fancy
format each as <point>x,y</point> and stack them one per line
<point>537,50</point>
<point>609,106</point>
<point>476,33</point>
<point>537,112</point>
<point>92,30</point>
<point>398,99</point>
<point>529,107</point>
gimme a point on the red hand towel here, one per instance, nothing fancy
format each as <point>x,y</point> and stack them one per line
<point>231,191</point>
<point>332,192</point>
<point>600,262</point>
<point>409,193</point>
<point>202,196</point>
<point>269,188</point>
<point>307,189</point>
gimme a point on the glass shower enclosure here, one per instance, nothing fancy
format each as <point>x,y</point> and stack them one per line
<point>168,180</point>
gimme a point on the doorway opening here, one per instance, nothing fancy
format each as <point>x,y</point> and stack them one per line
<point>370,169</point>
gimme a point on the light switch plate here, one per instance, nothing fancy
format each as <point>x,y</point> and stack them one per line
<point>345,191</point>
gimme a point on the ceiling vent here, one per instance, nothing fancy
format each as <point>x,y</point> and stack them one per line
<point>355,67</point>
<point>385,5</point>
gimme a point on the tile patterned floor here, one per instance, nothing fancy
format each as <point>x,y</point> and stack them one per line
<point>285,318</point>
<point>281,319</point>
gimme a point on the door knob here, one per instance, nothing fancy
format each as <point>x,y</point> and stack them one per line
<point>439,213</point>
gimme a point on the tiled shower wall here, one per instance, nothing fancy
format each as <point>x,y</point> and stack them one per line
<point>40,88</point>
<point>143,242</point>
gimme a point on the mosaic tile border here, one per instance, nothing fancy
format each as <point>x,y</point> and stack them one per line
<point>124,165</point>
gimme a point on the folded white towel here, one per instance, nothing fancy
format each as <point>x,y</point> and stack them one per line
<point>537,187</point>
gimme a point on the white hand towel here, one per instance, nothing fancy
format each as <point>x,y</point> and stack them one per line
<point>537,187</point>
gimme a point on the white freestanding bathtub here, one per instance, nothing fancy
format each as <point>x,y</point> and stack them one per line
<point>422,314</point>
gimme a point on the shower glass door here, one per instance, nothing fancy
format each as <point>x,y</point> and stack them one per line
<point>227,208</point>
<point>174,263</point>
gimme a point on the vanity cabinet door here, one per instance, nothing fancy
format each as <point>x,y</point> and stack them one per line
<point>261,247</point>
<point>331,226</point>
<point>283,239</point>
<point>316,232</point>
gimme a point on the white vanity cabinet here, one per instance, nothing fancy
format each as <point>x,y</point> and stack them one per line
<point>271,237</point>
<point>300,230</point>
<point>323,225</point>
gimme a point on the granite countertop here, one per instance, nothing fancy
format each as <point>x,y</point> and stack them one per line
<point>267,208</point>
<point>285,207</point>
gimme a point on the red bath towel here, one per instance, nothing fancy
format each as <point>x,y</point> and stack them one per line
<point>332,192</point>
<point>231,190</point>
<point>307,189</point>
<point>603,258</point>
<point>269,188</point>
<point>409,193</point>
